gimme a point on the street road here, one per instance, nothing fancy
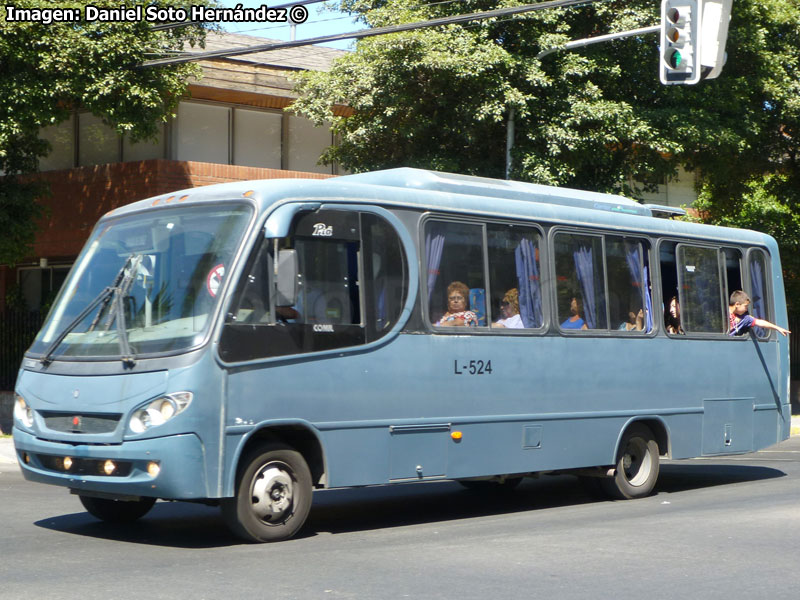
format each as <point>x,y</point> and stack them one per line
<point>717,528</point>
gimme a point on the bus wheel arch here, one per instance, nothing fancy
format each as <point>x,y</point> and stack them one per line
<point>297,437</point>
<point>637,462</point>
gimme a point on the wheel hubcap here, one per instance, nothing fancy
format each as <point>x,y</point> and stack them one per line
<point>272,493</point>
<point>636,462</point>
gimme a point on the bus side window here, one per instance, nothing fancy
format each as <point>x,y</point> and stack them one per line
<point>385,275</point>
<point>759,299</point>
<point>454,255</point>
<point>580,282</point>
<point>700,290</point>
<point>515,277</point>
<point>251,301</point>
<point>629,303</point>
<point>350,290</point>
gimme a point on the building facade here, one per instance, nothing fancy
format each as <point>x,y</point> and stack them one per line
<point>232,126</point>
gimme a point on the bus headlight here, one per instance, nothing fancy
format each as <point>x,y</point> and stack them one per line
<point>159,411</point>
<point>23,413</point>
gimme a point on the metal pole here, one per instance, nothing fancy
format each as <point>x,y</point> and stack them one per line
<point>599,39</point>
<point>509,141</point>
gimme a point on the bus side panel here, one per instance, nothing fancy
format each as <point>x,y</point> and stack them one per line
<point>521,403</point>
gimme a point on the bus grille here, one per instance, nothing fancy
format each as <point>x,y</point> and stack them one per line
<point>80,423</point>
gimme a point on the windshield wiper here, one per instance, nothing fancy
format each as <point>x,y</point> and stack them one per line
<point>112,294</point>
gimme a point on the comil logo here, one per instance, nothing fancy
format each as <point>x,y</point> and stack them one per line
<point>319,328</point>
<point>322,230</point>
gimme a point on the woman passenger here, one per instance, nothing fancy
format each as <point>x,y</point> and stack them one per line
<point>457,314</point>
<point>574,321</point>
<point>509,309</point>
<point>672,317</point>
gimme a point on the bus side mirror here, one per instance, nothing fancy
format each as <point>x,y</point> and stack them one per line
<point>286,279</point>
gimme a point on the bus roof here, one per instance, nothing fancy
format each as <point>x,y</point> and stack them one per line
<point>458,193</point>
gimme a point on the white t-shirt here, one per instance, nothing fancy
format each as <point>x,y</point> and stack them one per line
<point>514,322</point>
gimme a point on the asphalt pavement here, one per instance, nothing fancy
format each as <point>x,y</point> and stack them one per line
<point>9,456</point>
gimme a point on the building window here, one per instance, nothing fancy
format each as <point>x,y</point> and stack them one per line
<point>62,143</point>
<point>202,133</point>
<point>98,143</point>
<point>306,145</point>
<point>144,149</point>
<point>257,138</point>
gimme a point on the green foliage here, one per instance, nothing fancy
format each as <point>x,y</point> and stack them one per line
<point>596,118</point>
<point>768,203</point>
<point>49,70</point>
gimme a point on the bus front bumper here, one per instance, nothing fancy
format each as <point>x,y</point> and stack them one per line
<point>171,467</point>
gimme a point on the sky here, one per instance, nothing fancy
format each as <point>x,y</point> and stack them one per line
<point>321,21</point>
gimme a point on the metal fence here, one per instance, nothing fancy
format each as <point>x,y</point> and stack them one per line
<point>17,330</point>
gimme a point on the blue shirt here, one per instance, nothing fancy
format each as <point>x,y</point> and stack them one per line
<point>739,324</point>
<point>576,324</point>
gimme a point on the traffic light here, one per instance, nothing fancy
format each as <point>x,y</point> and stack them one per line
<point>680,38</point>
<point>693,36</point>
<point>713,35</point>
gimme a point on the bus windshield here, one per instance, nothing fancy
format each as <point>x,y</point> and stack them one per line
<point>145,283</point>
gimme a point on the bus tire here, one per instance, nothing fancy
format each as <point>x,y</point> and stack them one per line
<point>637,465</point>
<point>117,511</point>
<point>273,495</point>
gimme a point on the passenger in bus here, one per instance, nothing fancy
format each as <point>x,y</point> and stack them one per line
<point>509,309</point>
<point>574,321</point>
<point>635,322</point>
<point>457,314</point>
<point>672,317</point>
<point>740,320</point>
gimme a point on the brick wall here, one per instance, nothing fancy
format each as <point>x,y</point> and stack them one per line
<point>79,197</point>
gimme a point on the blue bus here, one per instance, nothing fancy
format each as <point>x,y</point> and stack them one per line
<point>244,344</point>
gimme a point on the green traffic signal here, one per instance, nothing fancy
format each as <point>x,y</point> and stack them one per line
<point>674,58</point>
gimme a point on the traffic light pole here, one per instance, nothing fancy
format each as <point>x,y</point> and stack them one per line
<point>599,39</point>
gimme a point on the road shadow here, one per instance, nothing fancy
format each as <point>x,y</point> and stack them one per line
<point>695,474</point>
<point>193,526</point>
<point>170,524</point>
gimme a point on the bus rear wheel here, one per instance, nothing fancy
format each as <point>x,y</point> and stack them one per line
<point>637,465</point>
<point>273,495</point>
<point>117,511</point>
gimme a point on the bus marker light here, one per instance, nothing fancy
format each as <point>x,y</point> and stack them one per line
<point>153,469</point>
<point>109,467</point>
<point>456,435</point>
<point>26,457</point>
<point>67,463</point>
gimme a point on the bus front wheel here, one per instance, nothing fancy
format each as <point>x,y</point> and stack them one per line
<point>273,495</point>
<point>117,511</point>
<point>637,465</point>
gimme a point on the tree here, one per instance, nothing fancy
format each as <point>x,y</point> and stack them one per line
<point>442,98</point>
<point>48,70</point>
<point>596,118</point>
